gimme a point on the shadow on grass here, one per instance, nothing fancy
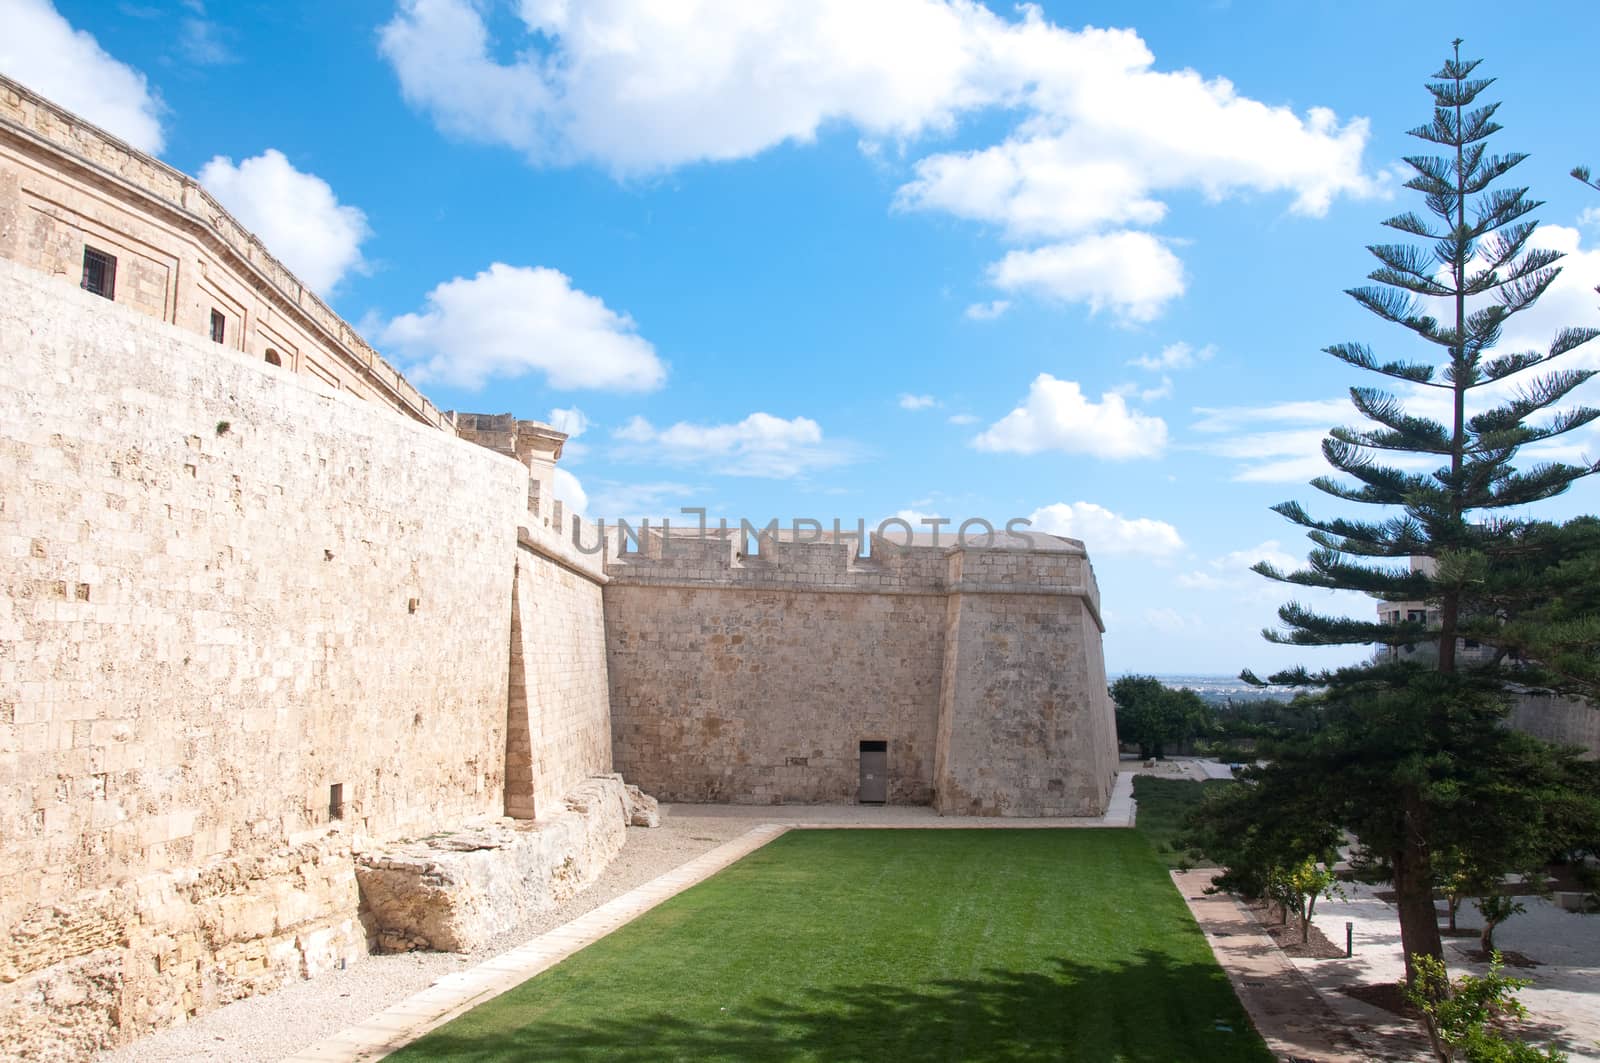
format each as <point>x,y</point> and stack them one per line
<point>1152,1010</point>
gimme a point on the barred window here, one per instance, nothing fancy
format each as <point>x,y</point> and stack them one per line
<point>99,273</point>
<point>219,326</point>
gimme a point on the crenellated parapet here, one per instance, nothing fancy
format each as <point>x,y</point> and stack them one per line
<point>1013,563</point>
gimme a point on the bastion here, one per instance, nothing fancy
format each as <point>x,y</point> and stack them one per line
<point>967,675</point>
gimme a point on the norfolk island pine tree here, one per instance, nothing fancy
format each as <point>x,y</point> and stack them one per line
<point>1453,296</point>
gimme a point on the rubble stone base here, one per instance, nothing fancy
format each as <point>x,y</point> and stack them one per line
<point>108,966</point>
<point>457,890</point>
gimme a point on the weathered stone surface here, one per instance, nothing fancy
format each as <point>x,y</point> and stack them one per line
<point>457,890</point>
<point>105,966</point>
<point>756,679</point>
<point>643,810</point>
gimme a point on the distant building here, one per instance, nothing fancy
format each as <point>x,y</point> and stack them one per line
<point>1563,721</point>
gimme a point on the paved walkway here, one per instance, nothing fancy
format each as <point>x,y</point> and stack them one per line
<point>458,993</point>
<point>1119,813</point>
<point>1288,1013</point>
<point>1562,1001</point>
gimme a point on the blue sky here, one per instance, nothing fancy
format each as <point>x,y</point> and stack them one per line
<point>844,259</point>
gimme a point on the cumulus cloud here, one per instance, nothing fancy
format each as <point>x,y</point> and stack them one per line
<point>574,499</point>
<point>987,311</point>
<point>1231,571</point>
<point>200,40</point>
<point>1108,534</point>
<point>1098,138</point>
<point>918,402</point>
<point>1133,274</point>
<point>295,214</point>
<point>1175,356</point>
<point>1569,301</point>
<point>571,421</point>
<point>759,445</point>
<point>509,321</point>
<point>634,502</point>
<point>1057,415</point>
<point>1079,164</point>
<point>41,49</point>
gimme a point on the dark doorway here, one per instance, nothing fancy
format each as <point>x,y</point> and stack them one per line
<point>874,773</point>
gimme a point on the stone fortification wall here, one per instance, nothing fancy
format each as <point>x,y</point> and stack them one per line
<point>224,593</point>
<point>180,257</point>
<point>1563,721</point>
<point>560,717</point>
<point>1026,726</point>
<point>755,679</point>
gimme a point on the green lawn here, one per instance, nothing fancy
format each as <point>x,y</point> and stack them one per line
<point>1162,805</point>
<point>888,945</point>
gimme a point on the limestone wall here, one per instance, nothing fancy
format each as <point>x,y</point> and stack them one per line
<point>224,592</point>
<point>1026,724</point>
<point>559,710</point>
<point>1563,721</point>
<point>755,679</point>
<point>66,185</point>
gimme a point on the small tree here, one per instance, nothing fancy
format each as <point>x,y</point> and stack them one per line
<point>1308,882</point>
<point>1495,908</point>
<point>1459,1016</point>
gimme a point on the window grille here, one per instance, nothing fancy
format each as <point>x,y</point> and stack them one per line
<point>99,273</point>
<point>219,326</point>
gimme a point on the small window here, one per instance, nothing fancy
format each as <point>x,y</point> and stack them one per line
<point>219,326</point>
<point>272,357</point>
<point>336,801</point>
<point>99,273</point>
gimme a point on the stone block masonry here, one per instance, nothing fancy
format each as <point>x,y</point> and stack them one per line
<point>235,610</point>
<point>758,679</point>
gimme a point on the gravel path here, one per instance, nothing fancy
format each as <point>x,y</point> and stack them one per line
<point>270,1026</point>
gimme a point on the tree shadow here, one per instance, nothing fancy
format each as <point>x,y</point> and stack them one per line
<point>1152,1010</point>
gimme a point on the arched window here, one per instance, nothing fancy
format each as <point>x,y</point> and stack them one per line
<point>272,357</point>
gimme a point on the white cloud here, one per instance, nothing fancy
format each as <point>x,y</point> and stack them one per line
<point>1098,136</point>
<point>987,311</point>
<point>1322,412</point>
<point>962,418</point>
<point>1080,163</point>
<point>759,445</point>
<point>512,320</point>
<point>295,214</point>
<point>645,86</point>
<point>1131,390</point>
<point>570,491</point>
<point>201,40</point>
<point>1570,300</point>
<point>918,402</point>
<point>1057,415</point>
<point>1133,274</point>
<point>1231,571</point>
<point>1107,534</point>
<point>1589,217</point>
<point>1175,356</point>
<point>1171,622</point>
<point>635,502</point>
<point>571,421</point>
<point>41,49</point>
